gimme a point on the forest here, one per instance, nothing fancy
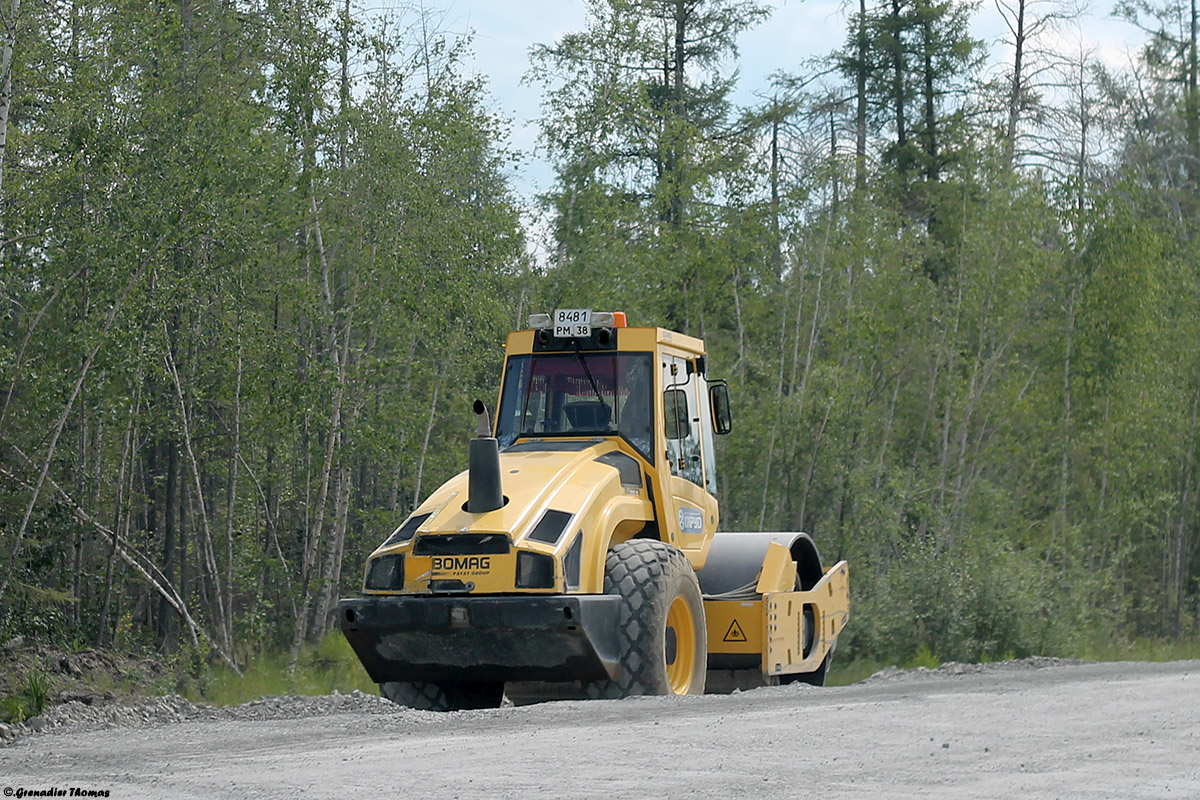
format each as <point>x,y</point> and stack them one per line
<point>257,257</point>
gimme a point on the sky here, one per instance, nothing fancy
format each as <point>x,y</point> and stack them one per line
<point>503,31</point>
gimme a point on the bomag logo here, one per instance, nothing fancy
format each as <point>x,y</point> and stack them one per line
<point>461,563</point>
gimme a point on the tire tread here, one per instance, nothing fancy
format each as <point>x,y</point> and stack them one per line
<point>638,570</point>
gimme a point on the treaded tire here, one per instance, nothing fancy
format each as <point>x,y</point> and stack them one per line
<point>656,583</point>
<point>443,696</point>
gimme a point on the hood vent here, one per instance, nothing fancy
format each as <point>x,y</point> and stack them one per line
<point>461,544</point>
<point>406,531</point>
<point>550,527</point>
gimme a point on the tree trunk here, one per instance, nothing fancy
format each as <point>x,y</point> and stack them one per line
<point>215,590</point>
<point>331,572</point>
<point>776,238</point>
<point>860,92</point>
<point>235,458</point>
<point>898,87</point>
<point>338,357</point>
<point>6,58</point>
<point>1191,102</point>
<point>929,135</point>
<point>1065,458</point>
<point>679,112</point>
<point>437,386</point>
<point>120,522</point>
<point>1016,86</point>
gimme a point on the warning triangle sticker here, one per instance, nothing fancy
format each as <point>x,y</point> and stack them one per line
<point>735,633</point>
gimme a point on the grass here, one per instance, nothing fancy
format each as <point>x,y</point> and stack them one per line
<point>1109,649</point>
<point>859,669</point>
<point>844,674</point>
<point>1140,650</point>
<point>32,699</point>
<point>328,667</point>
<point>332,666</point>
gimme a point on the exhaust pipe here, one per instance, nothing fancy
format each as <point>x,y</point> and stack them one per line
<point>484,492</point>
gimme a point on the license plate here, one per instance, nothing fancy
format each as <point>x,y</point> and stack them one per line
<point>571,323</point>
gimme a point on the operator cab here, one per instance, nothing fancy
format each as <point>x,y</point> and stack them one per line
<point>585,374</point>
<point>578,376</point>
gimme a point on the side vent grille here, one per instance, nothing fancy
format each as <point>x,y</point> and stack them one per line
<point>571,562</point>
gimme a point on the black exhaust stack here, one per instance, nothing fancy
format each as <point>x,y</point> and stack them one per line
<point>483,481</point>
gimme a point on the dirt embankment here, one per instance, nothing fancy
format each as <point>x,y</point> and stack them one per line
<point>40,677</point>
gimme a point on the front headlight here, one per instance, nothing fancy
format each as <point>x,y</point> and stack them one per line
<point>535,571</point>
<point>386,573</point>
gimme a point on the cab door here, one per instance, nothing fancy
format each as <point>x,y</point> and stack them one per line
<point>691,509</point>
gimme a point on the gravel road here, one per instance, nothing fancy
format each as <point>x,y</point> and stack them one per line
<point>1026,729</point>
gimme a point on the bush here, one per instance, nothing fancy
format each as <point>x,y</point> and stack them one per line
<point>327,667</point>
<point>985,604</point>
<point>32,700</point>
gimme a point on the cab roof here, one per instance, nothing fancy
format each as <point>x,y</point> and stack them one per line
<point>603,339</point>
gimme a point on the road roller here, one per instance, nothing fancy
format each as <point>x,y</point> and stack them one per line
<point>580,553</point>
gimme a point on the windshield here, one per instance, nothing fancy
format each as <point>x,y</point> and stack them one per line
<point>577,394</point>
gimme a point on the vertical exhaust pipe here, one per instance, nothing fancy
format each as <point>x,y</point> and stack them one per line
<point>484,492</point>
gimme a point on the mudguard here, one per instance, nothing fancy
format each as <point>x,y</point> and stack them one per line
<point>545,638</point>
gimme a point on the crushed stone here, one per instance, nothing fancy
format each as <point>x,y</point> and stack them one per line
<point>956,668</point>
<point>93,712</point>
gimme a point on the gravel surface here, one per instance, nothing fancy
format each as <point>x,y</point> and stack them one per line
<point>79,717</point>
<point>1033,728</point>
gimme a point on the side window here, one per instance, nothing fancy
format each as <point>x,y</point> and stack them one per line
<point>512,400</point>
<point>681,419</point>
<point>635,420</point>
<point>709,411</point>
<point>675,414</point>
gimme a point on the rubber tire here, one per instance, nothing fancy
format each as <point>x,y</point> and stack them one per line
<point>444,696</point>
<point>649,576</point>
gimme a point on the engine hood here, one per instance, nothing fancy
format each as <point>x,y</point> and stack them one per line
<point>569,477</point>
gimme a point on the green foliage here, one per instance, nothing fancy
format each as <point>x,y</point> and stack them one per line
<point>246,298</point>
<point>269,298</point>
<point>35,692</point>
<point>321,669</point>
<point>1109,648</point>
<point>638,126</point>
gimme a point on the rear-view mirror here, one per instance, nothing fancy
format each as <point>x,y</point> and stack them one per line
<point>722,415</point>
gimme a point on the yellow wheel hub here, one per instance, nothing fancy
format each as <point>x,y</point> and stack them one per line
<point>680,645</point>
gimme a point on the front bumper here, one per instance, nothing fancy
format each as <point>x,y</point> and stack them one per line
<point>526,638</point>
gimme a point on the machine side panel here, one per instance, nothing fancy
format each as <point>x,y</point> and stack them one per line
<point>734,626</point>
<point>787,650</point>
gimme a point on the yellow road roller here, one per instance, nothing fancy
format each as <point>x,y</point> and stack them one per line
<point>579,554</point>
